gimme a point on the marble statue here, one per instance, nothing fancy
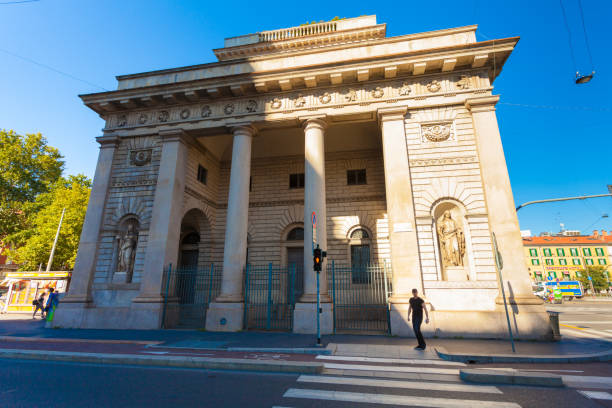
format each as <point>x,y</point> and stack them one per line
<point>452,240</point>
<point>127,249</point>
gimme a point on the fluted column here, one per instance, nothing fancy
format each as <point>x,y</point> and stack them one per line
<point>226,313</point>
<point>305,312</point>
<point>236,226</point>
<point>314,201</point>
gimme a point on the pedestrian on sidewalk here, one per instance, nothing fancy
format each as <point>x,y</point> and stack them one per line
<point>39,304</point>
<point>417,305</point>
<point>52,302</point>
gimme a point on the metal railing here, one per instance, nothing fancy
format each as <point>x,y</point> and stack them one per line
<point>360,296</point>
<point>193,289</point>
<point>269,297</point>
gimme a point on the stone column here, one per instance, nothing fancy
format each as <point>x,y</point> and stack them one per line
<point>71,314</point>
<point>405,261</point>
<point>226,313</point>
<point>314,201</point>
<point>164,230</point>
<point>532,320</point>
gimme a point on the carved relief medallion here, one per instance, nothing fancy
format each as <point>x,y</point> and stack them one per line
<point>205,112</point>
<point>351,95</point>
<point>228,109</point>
<point>185,113</point>
<point>163,116</point>
<point>405,89</point>
<point>122,120</point>
<point>437,132</point>
<point>276,103</point>
<point>251,105</point>
<point>434,86</point>
<point>142,119</point>
<point>140,157</point>
<point>377,92</point>
<point>300,101</point>
<point>464,82</point>
<point>325,98</point>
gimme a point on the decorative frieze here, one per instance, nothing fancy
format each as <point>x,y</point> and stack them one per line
<point>140,157</point>
<point>389,92</point>
<point>135,181</point>
<point>444,161</point>
<point>437,132</point>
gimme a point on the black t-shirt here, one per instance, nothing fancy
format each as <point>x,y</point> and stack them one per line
<point>416,303</point>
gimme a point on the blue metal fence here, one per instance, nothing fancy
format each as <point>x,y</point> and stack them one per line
<point>193,289</point>
<point>269,297</point>
<point>360,296</point>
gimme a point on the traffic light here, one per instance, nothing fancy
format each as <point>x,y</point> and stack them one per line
<point>318,259</point>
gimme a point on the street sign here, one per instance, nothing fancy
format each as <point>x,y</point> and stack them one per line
<point>590,278</point>
<point>314,229</point>
<point>550,278</point>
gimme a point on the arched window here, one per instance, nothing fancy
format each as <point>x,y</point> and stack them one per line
<point>359,243</point>
<point>296,234</point>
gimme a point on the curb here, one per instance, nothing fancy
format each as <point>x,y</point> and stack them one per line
<point>303,367</point>
<point>299,350</point>
<point>510,376</point>
<point>525,358</point>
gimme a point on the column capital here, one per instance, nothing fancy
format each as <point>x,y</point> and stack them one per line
<point>393,113</point>
<point>244,129</point>
<point>319,121</point>
<point>173,135</point>
<point>108,141</point>
<point>482,104</point>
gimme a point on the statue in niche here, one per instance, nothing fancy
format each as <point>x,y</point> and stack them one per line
<point>127,250</point>
<point>452,240</point>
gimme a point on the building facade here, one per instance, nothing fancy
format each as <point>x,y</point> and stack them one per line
<point>563,257</point>
<point>392,142</point>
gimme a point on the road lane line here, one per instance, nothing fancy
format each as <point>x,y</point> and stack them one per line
<point>402,400</point>
<point>403,369</point>
<point>390,360</point>
<point>599,395</point>
<point>414,385</point>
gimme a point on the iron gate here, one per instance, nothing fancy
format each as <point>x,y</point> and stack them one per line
<point>193,289</point>
<point>269,297</point>
<point>360,296</point>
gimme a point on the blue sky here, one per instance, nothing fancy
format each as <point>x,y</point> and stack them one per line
<point>559,145</point>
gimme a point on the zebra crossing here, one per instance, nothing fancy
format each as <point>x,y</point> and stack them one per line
<point>416,382</point>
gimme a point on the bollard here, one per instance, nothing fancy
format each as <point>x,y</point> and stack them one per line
<point>554,324</point>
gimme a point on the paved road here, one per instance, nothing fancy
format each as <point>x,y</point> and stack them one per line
<point>585,319</point>
<point>347,382</point>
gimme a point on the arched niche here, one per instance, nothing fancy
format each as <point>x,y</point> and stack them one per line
<point>125,247</point>
<point>194,248</point>
<point>452,240</point>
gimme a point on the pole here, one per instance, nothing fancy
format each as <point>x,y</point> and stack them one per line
<point>318,312</point>
<point>550,200</point>
<point>55,241</point>
<point>499,266</point>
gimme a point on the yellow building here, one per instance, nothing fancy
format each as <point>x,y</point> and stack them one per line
<point>562,257</point>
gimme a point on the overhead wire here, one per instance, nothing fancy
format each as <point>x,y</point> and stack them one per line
<point>51,68</point>
<point>18,2</point>
<point>569,36</point>
<point>586,38</point>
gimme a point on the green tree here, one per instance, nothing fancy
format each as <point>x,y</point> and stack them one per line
<point>28,167</point>
<point>33,243</point>
<point>599,276</point>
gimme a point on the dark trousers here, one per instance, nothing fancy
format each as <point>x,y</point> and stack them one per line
<point>416,326</point>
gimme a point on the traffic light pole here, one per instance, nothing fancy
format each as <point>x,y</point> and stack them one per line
<point>318,312</point>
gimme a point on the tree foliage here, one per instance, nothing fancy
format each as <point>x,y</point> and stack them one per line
<point>32,244</point>
<point>599,276</point>
<point>28,167</point>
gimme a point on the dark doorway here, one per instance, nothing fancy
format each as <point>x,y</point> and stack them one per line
<point>295,261</point>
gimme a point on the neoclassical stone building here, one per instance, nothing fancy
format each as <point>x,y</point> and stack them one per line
<point>392,141</point>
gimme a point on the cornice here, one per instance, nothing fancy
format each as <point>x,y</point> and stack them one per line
<point>482,104</point>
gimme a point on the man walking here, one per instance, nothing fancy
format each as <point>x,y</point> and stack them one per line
<point>417,305</point>
<point>39,304</point>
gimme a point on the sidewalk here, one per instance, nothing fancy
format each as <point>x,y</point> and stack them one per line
<point>26,338</point>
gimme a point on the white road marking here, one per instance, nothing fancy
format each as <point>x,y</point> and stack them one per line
<point>587,322</point>
<point>414,385</point>
<point>395,399</point>
<point>599,395</point>
<point>534,369</point>
<point>404,369</point>
<point>583,334</point>
<point>587,381</point>
<point>390,360</point>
